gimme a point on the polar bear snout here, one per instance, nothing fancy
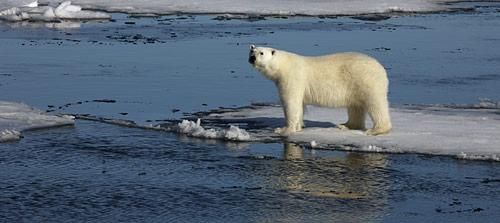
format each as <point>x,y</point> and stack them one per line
<point>252,59</point>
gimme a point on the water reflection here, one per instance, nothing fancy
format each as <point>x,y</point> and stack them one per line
<point>65,24</point>
<point>338,177</point>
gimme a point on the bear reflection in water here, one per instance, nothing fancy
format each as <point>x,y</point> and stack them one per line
<point>345,175</point>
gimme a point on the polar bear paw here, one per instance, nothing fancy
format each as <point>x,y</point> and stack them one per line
<point>342,127</point>
<point>285,131</point>
<point>378,131</point>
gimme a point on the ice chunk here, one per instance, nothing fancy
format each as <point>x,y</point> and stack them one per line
<point>313,144</point>
<point>13,14</point>
<point>7,135</point>
<point>17,117</point>
<point>65,10</point>
<point>237,134</point>
<point>48,14</point>
<point>195,129</point>
<point>68,11</point>
<point>66,6</point>
<point>33,4</point>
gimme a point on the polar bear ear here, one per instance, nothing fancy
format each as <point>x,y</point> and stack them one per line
<point>272,52</point>
<point>252,47</point>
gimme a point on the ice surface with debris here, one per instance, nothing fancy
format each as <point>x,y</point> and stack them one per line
<point>17,117</point>
<point>33,12</point>
<point>259,7</point>
<point>195,129</point>
<point>466,133</point>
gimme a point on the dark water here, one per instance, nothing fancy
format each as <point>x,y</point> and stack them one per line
<point>160,68</point>
<point>104,173</point>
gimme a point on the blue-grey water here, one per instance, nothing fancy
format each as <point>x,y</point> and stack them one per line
<point>103,173</point>
<point>152,69</point>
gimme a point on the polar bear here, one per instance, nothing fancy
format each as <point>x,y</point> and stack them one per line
<point>352,80</point>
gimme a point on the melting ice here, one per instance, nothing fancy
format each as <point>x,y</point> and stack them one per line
<point>26,10</point>
<point>467,133</point>
<point>13,10</point>
<point>195,129</point>
<point>18,117</point>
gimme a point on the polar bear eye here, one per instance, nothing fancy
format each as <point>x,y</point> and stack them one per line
<point>261,53</point>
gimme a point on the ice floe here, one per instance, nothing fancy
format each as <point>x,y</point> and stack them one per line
<point>254,7</point>
<point>33,12</point>
<point>264,7</point>
<point>17,117</point>
<point>466,133</point>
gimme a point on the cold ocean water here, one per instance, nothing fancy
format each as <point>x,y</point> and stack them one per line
<point>150,70</point>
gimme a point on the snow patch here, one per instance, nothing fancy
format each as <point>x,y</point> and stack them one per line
<point>195,129</point>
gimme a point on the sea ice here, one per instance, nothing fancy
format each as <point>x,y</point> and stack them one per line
<point>254,7</point>
<point>466,133</point>
<point>64,10</point>
<point>16,118</point>
<point>195,129</point>
<point>262,7</point>
<point>9,135</point>
<point>14,14</point>
<point>33,4</point>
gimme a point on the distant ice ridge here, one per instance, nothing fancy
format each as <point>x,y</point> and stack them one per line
<point>195,129</point>
<point>31,11</point>
<point>259,7</point>
<point>17,117</point>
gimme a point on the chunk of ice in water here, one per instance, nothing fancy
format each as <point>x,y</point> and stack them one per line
<point>195,129</point>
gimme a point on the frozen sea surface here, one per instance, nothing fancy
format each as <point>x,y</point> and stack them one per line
<point>465,133</point>
<point>259,7</point>
<point>17,117</point>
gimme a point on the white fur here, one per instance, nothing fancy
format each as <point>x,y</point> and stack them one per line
<point>352,80</point>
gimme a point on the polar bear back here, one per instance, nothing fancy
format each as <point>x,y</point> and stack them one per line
<point>343,79</point>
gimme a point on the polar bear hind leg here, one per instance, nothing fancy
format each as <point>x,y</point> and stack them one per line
<point>356,118</point>
<point>379,114</point>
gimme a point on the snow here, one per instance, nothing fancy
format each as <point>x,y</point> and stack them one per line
<point>17,117</point>
<point>6,4</point>
<point>466,133</point>
<point>194,129</point>
<point>31,11</point>
<point>261,7</point>
<point>247,7</point>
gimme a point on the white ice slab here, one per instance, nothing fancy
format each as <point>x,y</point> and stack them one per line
<point>261,7</point>
<point>26,10</point>
<point>464,133</point>
<point>18,117</point>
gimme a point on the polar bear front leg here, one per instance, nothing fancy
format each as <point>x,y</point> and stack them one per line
<point>294,113</point>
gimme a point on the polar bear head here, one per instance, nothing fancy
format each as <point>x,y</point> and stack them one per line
<point>265,60</point>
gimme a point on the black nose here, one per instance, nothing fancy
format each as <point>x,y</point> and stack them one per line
<point>251,59</point>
